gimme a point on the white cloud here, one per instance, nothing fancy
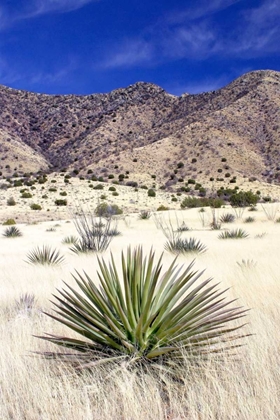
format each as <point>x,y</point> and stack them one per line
<point>40,7</point>
<point>34,8</point>
<point>131,53</point>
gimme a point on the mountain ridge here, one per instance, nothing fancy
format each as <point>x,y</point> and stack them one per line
<point>112,132</point>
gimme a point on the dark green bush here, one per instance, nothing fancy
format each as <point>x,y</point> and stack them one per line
<point>60,202</point>
<point>151,193</point>
<point>35,206</point>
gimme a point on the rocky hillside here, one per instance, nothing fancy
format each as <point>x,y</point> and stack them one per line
<point>227,134</point>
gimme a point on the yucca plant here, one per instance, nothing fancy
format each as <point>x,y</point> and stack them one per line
<point>45,256</point>
<point>246,264</point>
<point>69,240</point>
<point>94,232</point>
<point>227,218</point>
<point>233,234</point>
<point>12,232</point>
<point>144,214</point>
<point>185,245</point>
<point>142,315</point>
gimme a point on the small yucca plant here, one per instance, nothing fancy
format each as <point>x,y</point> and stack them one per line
<point>12,232</point>
<point>142,315</point>
<point>227,218</point>
<point>144,214</point>
<point>69,240</point>
<point>233,234</point>
<point>182,246</point>
<point>45,256</point>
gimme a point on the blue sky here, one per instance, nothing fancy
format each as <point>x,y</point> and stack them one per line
<point>92,46</point>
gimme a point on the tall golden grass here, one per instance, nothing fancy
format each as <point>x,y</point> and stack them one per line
<point>246,387</point>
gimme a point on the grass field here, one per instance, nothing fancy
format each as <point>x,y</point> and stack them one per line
<point>247,387</point>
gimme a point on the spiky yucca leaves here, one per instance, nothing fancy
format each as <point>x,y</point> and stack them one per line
<point>143,315</point>
<point>233,234</point>
<point>227,218</point>
<point>45,256</point>
<point>182,246</point>
<point>12,232</point>
<point>69,240</point>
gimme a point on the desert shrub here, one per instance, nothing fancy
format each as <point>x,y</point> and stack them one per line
<point>227,218</point>
<point>11,202</point>
<point>183,228</point>
<point>174,199</point>
<point>98,187</point>
<point>194,202</point>
<point>9,222</point>
<point>103,197</point>
<point>52,189</point>
<point>63,193</point>
<point>249,219</point>
<point>184,246</point>
<point>115,193</point>
<point>60,202</point>
<point>12,232</point>
<point>233,234</point>
<point>151,193</point>
<point>140,316</point>
<point>243,199</point>
<point>107,210</point>
<point>26,194</point>
<point>112,189</point>
<point>144,214</point>
<point>44,255</point>
<point>35,206</point>
<point>162,208</point>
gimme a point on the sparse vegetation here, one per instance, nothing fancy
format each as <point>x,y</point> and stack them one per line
<point>35,206</point>
<point>44,255</point>
<point>233,234</point>
<point>144,214</point>
<point>12,232</point>
<point>185,246</point>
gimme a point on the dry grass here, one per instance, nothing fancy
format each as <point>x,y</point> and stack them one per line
<point>245,388</point>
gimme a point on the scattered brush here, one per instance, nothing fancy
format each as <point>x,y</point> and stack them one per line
<point>183,246</point>
<point>183,228</point>
<point>247,264</point>
<point>25,303</point>
<point>45,256</point>
<point>144,214</point>
<point>12,232</point>
<point>227,218</point>
<point>233,234</point>
<point>260,235</point>
<point>51,229</point>
<point>141,317</point>
<point>113,232</point>
<point>277,220</point>
<point>69,240</point>
<point>253,208</point>
<point>249,219</point>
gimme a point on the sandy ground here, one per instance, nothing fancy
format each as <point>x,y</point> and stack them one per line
<point>250,267</point>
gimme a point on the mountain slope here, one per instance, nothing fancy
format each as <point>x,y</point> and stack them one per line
<point>231,132</point>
